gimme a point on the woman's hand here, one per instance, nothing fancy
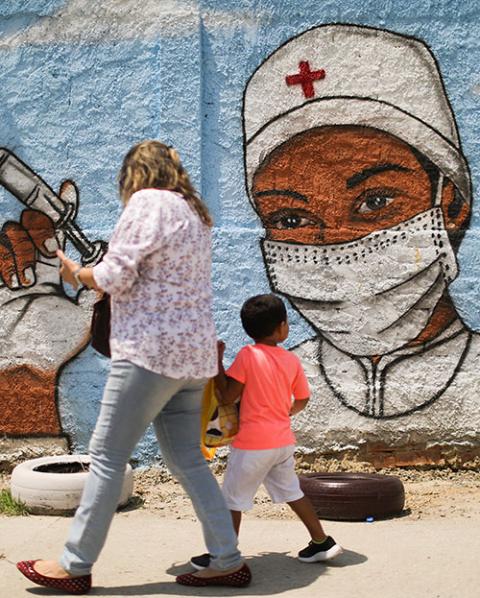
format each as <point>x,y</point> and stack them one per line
<point>67,268</point>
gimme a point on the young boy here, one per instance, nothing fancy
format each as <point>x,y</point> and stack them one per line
<point>266,376</point>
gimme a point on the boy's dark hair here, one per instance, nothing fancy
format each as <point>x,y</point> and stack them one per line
<point>262,314</point>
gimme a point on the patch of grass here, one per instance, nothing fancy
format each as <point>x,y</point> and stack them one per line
<point>10,506</point>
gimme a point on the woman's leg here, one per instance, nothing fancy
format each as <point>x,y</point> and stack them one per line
<point>132,398</point>
<point>178,432</point>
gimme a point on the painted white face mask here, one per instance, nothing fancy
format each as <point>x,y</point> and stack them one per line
<point>373,295</point>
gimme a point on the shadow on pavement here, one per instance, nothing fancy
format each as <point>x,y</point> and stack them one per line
<point>273,573</point>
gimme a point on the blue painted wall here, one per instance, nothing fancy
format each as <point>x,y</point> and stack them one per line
<point>71,108</point>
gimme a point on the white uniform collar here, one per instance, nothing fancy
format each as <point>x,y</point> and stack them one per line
<point>400,383</point>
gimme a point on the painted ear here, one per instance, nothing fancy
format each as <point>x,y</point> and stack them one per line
<point>456,210</point>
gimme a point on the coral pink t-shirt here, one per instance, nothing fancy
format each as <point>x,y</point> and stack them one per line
<point>272,377</point>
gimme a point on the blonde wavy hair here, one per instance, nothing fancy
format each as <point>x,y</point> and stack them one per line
<point>153,165</point>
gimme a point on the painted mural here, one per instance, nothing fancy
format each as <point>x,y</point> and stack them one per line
<point>354,165</point>
<point>42,327</point>
<point>350,195</point>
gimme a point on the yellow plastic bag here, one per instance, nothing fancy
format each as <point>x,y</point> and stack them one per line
<point>219,423</point>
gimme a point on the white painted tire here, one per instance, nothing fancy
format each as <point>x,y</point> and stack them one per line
<point>56,493</point>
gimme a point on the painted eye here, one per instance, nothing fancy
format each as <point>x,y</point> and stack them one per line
<point>374,202</point>
<point>289,220</point>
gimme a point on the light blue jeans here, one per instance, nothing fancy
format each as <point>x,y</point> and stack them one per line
<point>134,398</point>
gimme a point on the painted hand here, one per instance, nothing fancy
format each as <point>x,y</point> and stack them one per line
<point>41,327</point>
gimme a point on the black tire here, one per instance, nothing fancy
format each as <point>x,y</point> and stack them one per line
<point>353,496</point>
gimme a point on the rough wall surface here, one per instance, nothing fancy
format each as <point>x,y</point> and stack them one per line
<point>350,148</point>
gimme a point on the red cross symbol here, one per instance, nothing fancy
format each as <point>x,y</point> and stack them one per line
<point>305,78</point>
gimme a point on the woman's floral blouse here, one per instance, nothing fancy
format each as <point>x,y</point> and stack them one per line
<point>158,272</point>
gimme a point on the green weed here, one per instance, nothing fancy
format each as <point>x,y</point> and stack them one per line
<point>10,506</point>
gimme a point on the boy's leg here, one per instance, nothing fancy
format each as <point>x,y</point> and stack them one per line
<point>237,520</point>
<point>202,561</point>
<point>283,485</point>
<point>304,510</point>
<point>245,472</point>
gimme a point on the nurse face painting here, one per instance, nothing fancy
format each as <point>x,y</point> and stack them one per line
<point>331,186</point>
<point>336,184</point>
<point>354,165</point>
<point>360,183</point>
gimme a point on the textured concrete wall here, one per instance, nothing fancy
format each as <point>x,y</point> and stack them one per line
<point>394,373</point>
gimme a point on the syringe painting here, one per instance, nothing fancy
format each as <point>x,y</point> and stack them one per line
<point>42,328</point>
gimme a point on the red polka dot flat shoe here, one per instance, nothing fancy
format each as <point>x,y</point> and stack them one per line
<point>237,579</point>
<point>69,585</point>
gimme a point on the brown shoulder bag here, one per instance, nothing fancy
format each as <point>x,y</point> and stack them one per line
<point>100,327</point>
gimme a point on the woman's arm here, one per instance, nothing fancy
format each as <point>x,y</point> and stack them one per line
<point>141,230</point>
<point>74,273</point>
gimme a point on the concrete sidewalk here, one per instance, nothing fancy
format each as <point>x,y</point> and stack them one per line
<point>399,558</point>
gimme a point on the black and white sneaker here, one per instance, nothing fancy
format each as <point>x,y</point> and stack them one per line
<point>325,551</point>
<point>200,562</point>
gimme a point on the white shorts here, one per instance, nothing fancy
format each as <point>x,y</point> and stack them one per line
<point>247,469</point>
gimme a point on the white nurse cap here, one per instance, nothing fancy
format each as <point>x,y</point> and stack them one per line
<point>351,75</point>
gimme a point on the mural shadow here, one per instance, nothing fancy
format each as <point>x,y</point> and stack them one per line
<point>273,573</point>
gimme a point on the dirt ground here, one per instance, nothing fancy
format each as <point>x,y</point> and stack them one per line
<point>393,558</point>
<point>430,493</point>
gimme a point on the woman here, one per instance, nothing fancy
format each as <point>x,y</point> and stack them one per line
<point>163,345</point>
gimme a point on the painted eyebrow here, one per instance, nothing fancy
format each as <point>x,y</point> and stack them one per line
<point>361,176</point>
<point>283,192</point>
